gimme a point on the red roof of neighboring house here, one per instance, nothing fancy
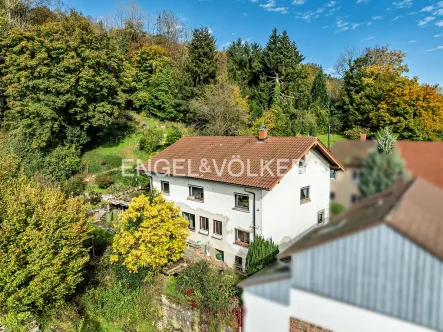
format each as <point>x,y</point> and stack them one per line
<point>423,159</point>
<point>192,151</point>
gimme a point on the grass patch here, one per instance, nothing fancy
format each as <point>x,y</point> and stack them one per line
<point>334,138</point>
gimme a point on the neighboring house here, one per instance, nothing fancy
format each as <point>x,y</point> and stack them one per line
<point>422,159</point>
<point>378,267</point>
<point>231,189</point>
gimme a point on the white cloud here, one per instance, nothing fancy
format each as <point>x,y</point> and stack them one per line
<point>255,1</point>
<point>396,18</point>
<point>355,25</point>
<point>271,6</point>
<point>439,24</point>
<point>330,71</point>
<point>403,4</point>
<point>427,9</point>
<point>331,4</point>
<point>438,12</point>
<point>413,41</point>
<point>377,17</point>
<point>425,21</point>
<point>362,1</point>
<point>368,38</point>
<point>210,31</point>
<point>435,49</point>
<point>298,2</point>
<point>438,35</point>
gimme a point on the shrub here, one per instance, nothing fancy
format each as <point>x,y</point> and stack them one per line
<point>94,197</point>
<point>173,135</point>
<point>62,162</point>
<point>213,290</point>
<point>104,181</point>
<point>261,253</point>
<point>74,186</point>
<point>336,208</point>
<point>50,231</point>
<point>151,140</point>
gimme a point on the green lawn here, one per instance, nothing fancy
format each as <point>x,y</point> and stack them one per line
<point>334,138</point>
<point>113,155</point>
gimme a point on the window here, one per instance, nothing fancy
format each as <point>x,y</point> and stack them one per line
<point>204,224</point>
<point>242,238</point>
<point>196,193</point>
<point>191,218</point>
<point>218,227</point>
<point>301,166</point>
<point>356,176</point>
<point>332,196</point>
<point>333,174</point>
<point>321,216</point>
<point>165,187</point>
<point>219,255</point>
<point>238,264</point>
<point>242,201</point>
<point>304,194</point>
<point>355,198</point>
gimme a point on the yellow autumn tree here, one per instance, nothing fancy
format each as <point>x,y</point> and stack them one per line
<point>151,234</point>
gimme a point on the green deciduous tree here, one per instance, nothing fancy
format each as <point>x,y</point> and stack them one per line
<point>201,64</point>
<point>261,253</point>
<point>221,110</point>
<point>151,234</point>
<point>58,75</point>
<point>164,99</point>
<point>42,237</point>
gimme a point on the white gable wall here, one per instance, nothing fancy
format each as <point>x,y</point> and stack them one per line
<point>219,204</point>
<point>284,216</point>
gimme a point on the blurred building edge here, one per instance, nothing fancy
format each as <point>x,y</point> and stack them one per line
<point>377,267</point>
<point>422,159</point>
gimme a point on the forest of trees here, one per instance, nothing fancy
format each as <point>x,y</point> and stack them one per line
<point>69,83</point>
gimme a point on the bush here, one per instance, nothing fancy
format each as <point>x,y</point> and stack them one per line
<point>74,186</point>
<point>100,240</point>
<point>173,135</point>
<point>151,140</point>
<point>261,253</point>
<point>104,181</point>
<point>336,209</point>
<point>62,162</point>
<point>213,290</point>
<point>122,300</point>
<point>94,197</point>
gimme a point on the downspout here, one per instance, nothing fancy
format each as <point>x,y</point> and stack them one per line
<point>150,182</point>
<point>253,212</point>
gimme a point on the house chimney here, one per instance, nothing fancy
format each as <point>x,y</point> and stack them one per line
<point>362,137</point>
<point>262,134</point>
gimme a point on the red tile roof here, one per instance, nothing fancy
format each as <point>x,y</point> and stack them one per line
<point>190,152</point>
<point>423,159</point>
<point>413,209</point>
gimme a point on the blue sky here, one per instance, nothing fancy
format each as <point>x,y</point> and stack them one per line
<point>321,28</point>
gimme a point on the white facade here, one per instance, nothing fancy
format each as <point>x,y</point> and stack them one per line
<point>263,314</point>
<point>340,317</point>
<point>279,214</point>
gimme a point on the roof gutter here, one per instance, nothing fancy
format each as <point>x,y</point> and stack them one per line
<point>253,212</point>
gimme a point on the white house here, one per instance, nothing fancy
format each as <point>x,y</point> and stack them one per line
<point>234,188</point>
<point>378,267</point>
